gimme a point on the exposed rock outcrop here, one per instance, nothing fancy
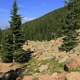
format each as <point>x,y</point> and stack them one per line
<point>46,49</point>
<point>72,63</point>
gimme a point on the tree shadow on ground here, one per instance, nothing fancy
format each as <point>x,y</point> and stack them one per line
<point>25,57</point>
<point>12,74</point>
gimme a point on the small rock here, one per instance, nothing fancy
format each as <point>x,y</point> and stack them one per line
<point>72,63</point>
<point>43,68</point>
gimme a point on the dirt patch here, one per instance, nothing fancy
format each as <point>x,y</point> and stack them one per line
<point>5,67</point>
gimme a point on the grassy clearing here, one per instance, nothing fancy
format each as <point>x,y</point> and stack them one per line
<point>55,67</point>
<point>32,67</point>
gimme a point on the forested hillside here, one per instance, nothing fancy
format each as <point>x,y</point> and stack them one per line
<point>46,27</point>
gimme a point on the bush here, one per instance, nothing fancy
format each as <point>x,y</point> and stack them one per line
<point>22,56</point>
<point>7,58</point>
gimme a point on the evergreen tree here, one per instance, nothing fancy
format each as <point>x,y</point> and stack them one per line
<point>16,29</point>
<point>6,48</point>
<point>15,25</point>
<point>71,25</point>
<point>0,37</point>
<point>0,41</point>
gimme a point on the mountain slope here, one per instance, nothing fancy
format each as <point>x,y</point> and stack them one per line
<point>46,27</point>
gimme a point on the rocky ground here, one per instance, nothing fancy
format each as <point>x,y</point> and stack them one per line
<point>49,49</point>
<point>48,63</point>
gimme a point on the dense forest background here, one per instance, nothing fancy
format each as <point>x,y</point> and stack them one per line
<point>46,27</point>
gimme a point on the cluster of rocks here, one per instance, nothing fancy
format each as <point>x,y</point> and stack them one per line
<point>45,49</point>
<point>71,63</point>
<point>49,49</point>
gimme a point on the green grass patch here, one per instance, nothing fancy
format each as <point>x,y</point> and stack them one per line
<point>55,67</point>
<point>33,66</point>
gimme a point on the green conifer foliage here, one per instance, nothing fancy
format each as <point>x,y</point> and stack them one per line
<point>6,48</point>
<point>16,29</point>
<point>15,25</point>
<point>71,25</point>
<point>14,39</point>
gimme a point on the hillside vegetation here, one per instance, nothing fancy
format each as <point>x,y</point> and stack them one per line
<point>46,27</point>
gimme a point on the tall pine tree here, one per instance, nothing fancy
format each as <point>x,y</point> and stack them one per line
<point>71,25</point>
<point>16,29</point>
<point>15,25</point>
<point>13,39</point>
